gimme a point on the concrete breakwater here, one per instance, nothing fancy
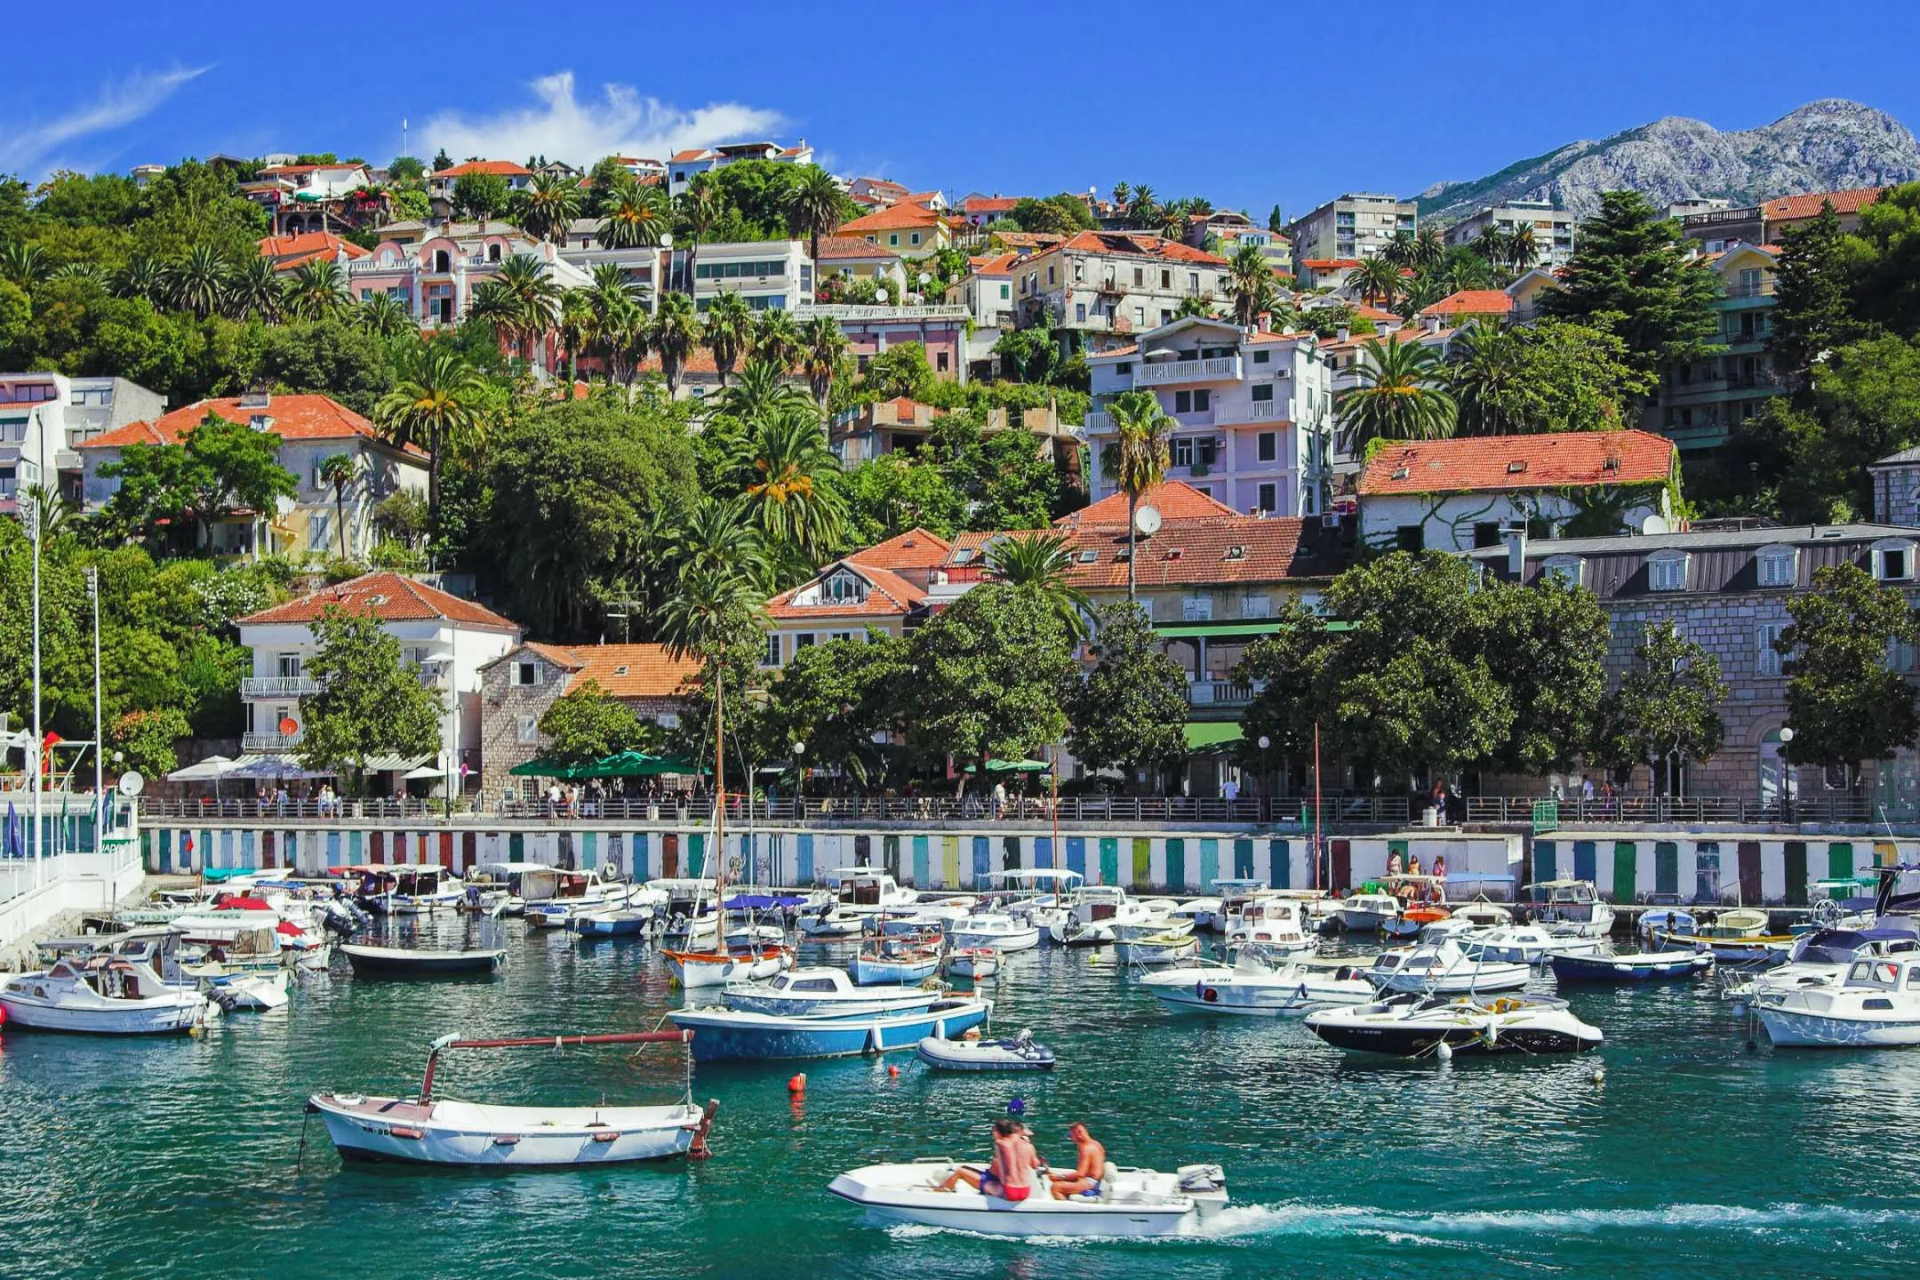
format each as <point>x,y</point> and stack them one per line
<point>1627,866</point>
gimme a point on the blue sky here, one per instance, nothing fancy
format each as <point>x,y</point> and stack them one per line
<point>1249,105</point>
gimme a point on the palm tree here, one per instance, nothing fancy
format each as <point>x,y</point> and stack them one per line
<point>254,289</point>
<point>715,532</point>
<point>729,328</point>
<point>674,333</point>
<point>791,493</point>
<point>80,270</point>
<point>546,207</point>
<point>699,210</point>
<point>338,470</point>
<point>776,338</point>
<point>1523,251</point>
<point>24,265</point>
<point>1138,458</point>
<point>316,289</point>
<point>1120,193</point>
<point>1250,284</point>
<point>635,215</point>
<point>535,308</point>
<point>1469,271</point>
<point>384,314</point>
<point>1401,249</point>
<point>617,304</point>
<point>815,208</point>
<point>1375,280</point>
<point>1173,219</point>
<point>1429,248</point>
<point>145,277</point>
<point>1486,371</point>
<point>1043,563</point>
<point>761,389</point>
<point>1400,396</point>
<point>197,281</point>
<point>1422,292</point>
<point>576,329</point>
<point>1141,210</point>
<point>825,354</point>
<point>715,607</point>
<point>435,404</point>
<point>1492,245</point>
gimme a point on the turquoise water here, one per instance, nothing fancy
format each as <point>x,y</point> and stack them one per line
<point>177,1158</point>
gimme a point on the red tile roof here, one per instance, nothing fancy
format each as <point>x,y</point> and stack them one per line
<point>990,204</point>
<point>1472,302</point>
<point>914,549</point>
<point>388,597</point>
<point>1807,206</point>
<point>289,252</point>
<point>1506,463</point>
<point>1329,264</point>
<point>1174,500</point>
<point>920,197</point>
<point>1210,550</point>
<point>887,185</point>
<point>1139,244</point>
<point>852,247</point>
<point>698,153</point>
<point>892,218</point>
<point>504,168</point>
<point>294,417</point>
<point>996,264</point>
<point>622,670</point>
<point>891,596</point>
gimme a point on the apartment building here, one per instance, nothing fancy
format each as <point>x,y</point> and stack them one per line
<point>771,275</point>
<point>642,265</point>
<point>46,417</point>
<point>1552,228</point>
<point>682,166</point>
<point>1357,225</point>
<point>1253,408</point>
<point>939,328</point>
<point>1099,288</point>
<point>1698,404</point>
<point>986,291</point>
<point>441,182</point>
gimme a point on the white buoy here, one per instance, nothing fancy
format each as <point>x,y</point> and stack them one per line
<point>1599,1075</point>
<point>1443,1051</point>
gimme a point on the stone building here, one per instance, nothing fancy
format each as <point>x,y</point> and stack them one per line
<point>517,688</point>
<point>1727,591</point>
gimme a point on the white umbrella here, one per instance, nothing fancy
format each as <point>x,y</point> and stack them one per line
<point>211,769</point>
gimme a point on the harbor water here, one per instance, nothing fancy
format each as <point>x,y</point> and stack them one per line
<point>1693,1153</point>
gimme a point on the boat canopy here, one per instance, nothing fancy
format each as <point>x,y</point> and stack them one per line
<point>1038,875</point>
<point>763,901</point>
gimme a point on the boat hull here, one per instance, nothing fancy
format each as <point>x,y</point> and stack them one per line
<point>984,1055</point>
<point>1669,967</point>
<point>895,1194</point>
<point>153,1017</point>
<point>1023,939</point>
<point>389,962</point>
<point>1229,993</point>
<point>868,971</point>
<point>402,1136</point>
<point>725,1036</point>
<point>1789,1029</point>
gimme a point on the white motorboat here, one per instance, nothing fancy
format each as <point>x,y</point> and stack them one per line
<point>1878,1007</point>
<point>1207,914</point>
<point>1571,909</point>
<point>1441,968</point>
<point>1154,925</point>
<point>1157,948</point>
<point>976,963</point>
<point>859,892</point>
<point>1130,1203</point>
<point>823,992</point>
<point>238,992</point>
<point>189,966</point>
<point>409,889</point>
<point>553,896</point>
<point>1368,912</point>
<point>444,1131</point>
<point>994,929</point>
<point>1524,944</point>
<point>1097,911</point>
<point>103,995</point>
<point>1038,895</point>
<point>1275,924</point>
<point>1253,987</point>
<point>970,1053</point>
<point>927,917</point>
<point>1412,1026</point>
<point>1482,913</point>
<point>1824,958</point>
<point>1234,895</point>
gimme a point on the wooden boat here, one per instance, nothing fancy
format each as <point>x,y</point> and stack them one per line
<point>444,1131</point>
<point>618,922</point>
<point>747,963</point>
<point>1131,1202</point>
<point>1643,966</point>
<point>406,962</point>
<point>973,962</point>
<point>994,929</point>
<point>729,1035</point>
<point>969,1053</point>
<point>1412,1026</point>
<point>907,964</point>
<point>102,995</point>
<point>1571,908</point>
<point>409,889</point>
<point>1158,948</point>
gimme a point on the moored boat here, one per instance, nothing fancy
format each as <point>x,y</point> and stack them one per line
<point>730,1035</point>
<point>103,995</point>
<point>1253,987</point>
<point>968,1053</point>
<point>408,962</point>
<point>1130,1203</point>
<point>874,964</point>
<point>976,963</point>
<point>747,962</point>
<point>1441,968</point>
<point>1642,966</point>
<point>1156,949</point>
<point>822,992</point>
<point>1368,912</point>
<point>1878,1007</point>
<point>994,929</point>
<point>1412,1026</point>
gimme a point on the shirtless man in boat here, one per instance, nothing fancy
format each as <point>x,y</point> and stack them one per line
<point>1010,1173</point>
<point>1086,1175</point>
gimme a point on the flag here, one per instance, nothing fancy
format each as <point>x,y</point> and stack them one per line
<point>15,849</point>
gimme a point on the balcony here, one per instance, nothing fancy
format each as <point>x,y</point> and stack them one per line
<point>1757,289</point>
<point>837,312</point>
<point>1217,369</point>
<point>1227,415</point>
<point>269,743</point>
<point>279,687</point>
<point>1218,693</point>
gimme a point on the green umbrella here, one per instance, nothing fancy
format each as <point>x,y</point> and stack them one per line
<point>544,768</point>
<point>1013,766</point>
<point>637,764</point>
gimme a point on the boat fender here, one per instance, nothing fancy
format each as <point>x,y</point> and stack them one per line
<point>506,1139</point>
<point>893,1072</point>
<point>404,1131</point>
<point>1443,1051</point>
<point>798,1083</point>
<point>607,1135</point>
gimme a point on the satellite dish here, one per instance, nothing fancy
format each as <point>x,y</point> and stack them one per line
<point>1655,524</point>
<point>1146,522</point>
<point>132,784</point>
<point>289,726</point>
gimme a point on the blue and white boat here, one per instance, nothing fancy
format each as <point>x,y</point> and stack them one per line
<point>875,966</point>
<point>822,992</point>
<point>728,1035</point>
<point>621,923</point>
<point>1645,966</point>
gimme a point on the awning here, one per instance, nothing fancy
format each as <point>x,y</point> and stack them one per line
<point>208,770</point>
<point>424,772</point>
<point>1012,766</point>
<point>273,767</point>
<point>1210,735</point>
<point>395,764</point>
<point>545,769</point>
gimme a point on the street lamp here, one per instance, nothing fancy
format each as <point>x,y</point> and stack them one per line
<point>1786,775</point>
<point>1265,742</point>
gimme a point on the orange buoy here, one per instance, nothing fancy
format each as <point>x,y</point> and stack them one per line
<point>893,1071</point>
<point>798,1084</point>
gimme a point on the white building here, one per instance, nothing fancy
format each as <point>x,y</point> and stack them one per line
<point>1253,408</point>
<point>682,166</point>
<point>772,275</point>
<point>1357,225</point>
<point>447,639</point>
<point>44,417</point>
<point>1102,287</point>
<point>1552,228</point>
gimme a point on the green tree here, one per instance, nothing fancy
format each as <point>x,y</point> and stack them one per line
<point>1633,274</point>
<point>776,339</point>
<point>545,207</point>
<point>332,357</point>
<point>1548,377</point>
<point>436,404</point>
<point>674,334</point>
<point>988,677</point>
<point>1813,309</point>
<point>824,354</point>
<point>1377,280</point>
<point>1011,481</point>
<point>633,214</point>
<point>1884,256</point>
<point>217,469</point>
<point>893,493</point>
<point>338,470</point>
<point>1667,705</point>
<point>1547,645</point>
<point>1844,701</point>
<point>1043,563</point>
<point>587,723</point>
<point>1862,403</point>
<point>1130,712</point>
<point>1059,215</point>
<point>315,290</point>
<point>816,206</point>
<point>370,702</point>
<point>900,370</point>
<point>1250,285</point>
<point>835,700</point>
<point>791,489</point>
<point>1138,458</point>
<point>480,195</point>
<point>729,325</point>
<point>197,281</point>
<point>144,740</point>
<point>407,169</point>
<point>1399,394</point>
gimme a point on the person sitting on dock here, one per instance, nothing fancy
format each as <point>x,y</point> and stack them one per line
<point>1010,1173</point>
<point>1086,1174</point>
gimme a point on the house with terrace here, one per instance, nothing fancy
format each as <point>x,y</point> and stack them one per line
<point>883,587</point>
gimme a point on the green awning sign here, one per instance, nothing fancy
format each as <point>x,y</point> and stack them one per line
<point>1210,735</point>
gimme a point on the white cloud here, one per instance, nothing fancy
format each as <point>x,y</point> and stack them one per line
<point>26,149</point>
<point>621,122</point>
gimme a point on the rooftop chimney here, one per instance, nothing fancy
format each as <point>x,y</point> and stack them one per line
<point>1344,333</point>
<point>1265,322</point>
<point>1430,323</point>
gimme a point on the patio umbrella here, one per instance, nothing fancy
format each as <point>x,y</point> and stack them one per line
<point>544,768</point>
<point>1012,766</point>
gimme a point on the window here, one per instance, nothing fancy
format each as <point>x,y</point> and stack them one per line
<point>526,673</point>
<point>893,238</point>
<point>1267,443</point>
<point>1776,566</point>
<point>1202,400</point>
<point>771,657</point>
<point>1080,312</point>
<point>842,586</point>
<point>1003,293</point>
<point>1900,656</point>
<point>1667,572</point>
<point>289,665</point>
<point>527,729</point>
<point>915,237</point>
<point>1256,606</point>
<point>1183,402</point>
<point>1269,499</point>
<point>1196,608</point>
<point>1486,533</point>
<point>804,640</point>
<point>1893,561</point>
<point>1261,357</point>
<point>940,361</point>
<point>414,655</point>
<point>1768,658</point>
<point>1139,277</point>
<point>1410,537</point>
<point>1166,279</point>
<point>1570,570</point>
<point>1263,393</point>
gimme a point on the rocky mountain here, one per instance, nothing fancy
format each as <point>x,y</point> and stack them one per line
<point>1824,146</point>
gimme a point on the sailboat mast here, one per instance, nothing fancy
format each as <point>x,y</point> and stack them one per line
<point>719,809</point>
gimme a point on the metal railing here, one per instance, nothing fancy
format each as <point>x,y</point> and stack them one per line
<point>1219,693</point>
<point>1677,810</point>
<point>269,742</point>
<point>279,687</point>
<point>1252,411</point>
<point>1209,370</point>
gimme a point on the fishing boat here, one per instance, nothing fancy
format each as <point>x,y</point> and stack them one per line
<point>1878,1007</point>
<point>1277,925</point>
<point>188,966</point>
<point>976,963</point>
<point>994,929</point>
<point>1411,1026</point>
<point>407,962</point>
<point>874,964</point>
<point>553,896</point>
<point>1131,1203</point>
<point>1254,987</point>
<point>1525,944</point>
<point>1658,923</point>
<point>970,1053</point>
<point>734,1035</point>
<point>620,922</point>
<point>1040,896</point>
<point>1571,908</point>
<point>103,995</point>
<point>1097,911</point>
<point>823,992</point>
<point>445,1131</point>
<point>1204,914</point>
<point>744,960</point>
<point>1156,949</point>
<point>409,889</point>
<point>859,893</point>
<point>1738,936</point>
<point>1368,912</point>
<point>1235,894</point>
<point>1441,968</point>
<point>1640,966</point>
<point>1482,913</point>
